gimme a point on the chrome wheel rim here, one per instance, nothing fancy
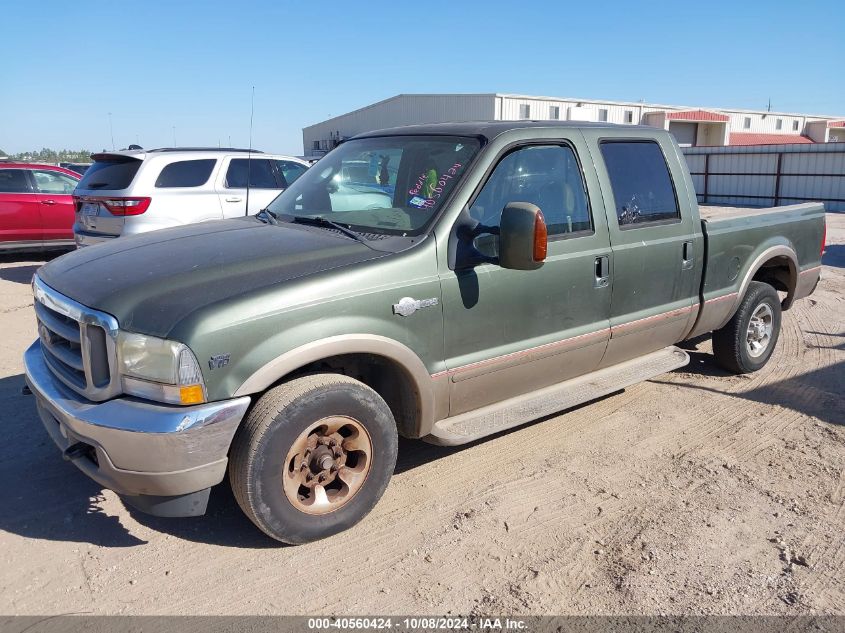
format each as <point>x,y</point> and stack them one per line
<point>327,465</point>
<point>759,333</point>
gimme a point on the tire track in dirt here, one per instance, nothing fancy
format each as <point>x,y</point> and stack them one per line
<point>823,331</point>
<point>726,419</point>
<point>828,554</point>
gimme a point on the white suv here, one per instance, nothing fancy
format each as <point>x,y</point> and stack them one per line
<point>134,191</point>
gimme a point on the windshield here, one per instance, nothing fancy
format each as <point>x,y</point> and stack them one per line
<point>393,184</point>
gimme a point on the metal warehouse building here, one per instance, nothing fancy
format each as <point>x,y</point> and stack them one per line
<point>692,126</point>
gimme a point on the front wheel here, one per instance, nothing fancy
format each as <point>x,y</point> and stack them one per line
<point>747,341</point>
<point>313,457</point>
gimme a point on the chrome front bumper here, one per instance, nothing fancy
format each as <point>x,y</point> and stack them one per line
<point>137,448</point>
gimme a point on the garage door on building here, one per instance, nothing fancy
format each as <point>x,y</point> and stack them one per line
<point>684,132</point>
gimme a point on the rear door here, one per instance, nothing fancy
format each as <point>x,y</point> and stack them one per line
<point>20,217</point>
<point>264,184</point>
<point>55,199</point>
<point>653,278</point>
<point>183,193</point>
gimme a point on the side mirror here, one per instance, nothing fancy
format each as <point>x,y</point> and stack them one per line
<point>523,239</point>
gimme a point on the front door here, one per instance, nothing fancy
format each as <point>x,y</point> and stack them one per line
<point>509,332</point>
<point>654,276</point>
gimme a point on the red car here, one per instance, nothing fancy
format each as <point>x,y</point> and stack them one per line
<point>36,206</point>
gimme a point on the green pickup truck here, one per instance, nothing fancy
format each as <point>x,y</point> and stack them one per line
<point>442,282</point>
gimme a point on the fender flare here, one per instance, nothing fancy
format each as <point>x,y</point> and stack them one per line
<point>373,344</point>
<point>780,250</point>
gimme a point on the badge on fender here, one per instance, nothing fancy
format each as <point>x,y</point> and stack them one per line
<point>408,305</point>
<point>218,360</point>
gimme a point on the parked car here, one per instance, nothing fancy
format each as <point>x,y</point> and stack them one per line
<point>36,206</point>
<point>79,168</point>
<point>135,191</point>
<point>521,268</point>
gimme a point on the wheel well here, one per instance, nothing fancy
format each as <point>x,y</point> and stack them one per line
<point>779,272</point>
<point>385,376</point>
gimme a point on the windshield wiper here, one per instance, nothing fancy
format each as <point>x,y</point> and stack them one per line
<point>316,220</point>
<point>265,215</point>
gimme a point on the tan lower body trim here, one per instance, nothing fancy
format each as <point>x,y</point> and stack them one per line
<point>647,322</point>
<point>573,342</point>
<point>730,295</point>
<point>807,280</point>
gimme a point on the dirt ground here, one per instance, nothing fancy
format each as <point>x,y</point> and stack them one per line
<point>694,493</point>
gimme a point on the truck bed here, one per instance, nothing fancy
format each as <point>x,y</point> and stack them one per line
<point>716,214</point>
<point>735,237</point>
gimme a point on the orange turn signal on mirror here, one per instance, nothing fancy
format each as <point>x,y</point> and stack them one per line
<point>541,238</point>
<point>191,394</point>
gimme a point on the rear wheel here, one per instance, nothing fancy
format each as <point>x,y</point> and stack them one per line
<point>747,341</point>
<point>313,457</point>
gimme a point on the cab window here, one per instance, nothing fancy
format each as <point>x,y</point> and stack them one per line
<point>642,186</point>
<point>545,175</point>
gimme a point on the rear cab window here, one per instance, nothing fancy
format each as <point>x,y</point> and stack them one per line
<point>643,191</point>
<point>186,173</point>
<point>110,175</point>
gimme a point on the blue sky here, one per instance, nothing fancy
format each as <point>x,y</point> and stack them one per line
<point>157,65</point>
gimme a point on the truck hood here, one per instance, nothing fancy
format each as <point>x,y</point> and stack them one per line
<point>152,281</point>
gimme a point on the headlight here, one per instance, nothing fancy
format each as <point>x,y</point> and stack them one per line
<point>157,369</point>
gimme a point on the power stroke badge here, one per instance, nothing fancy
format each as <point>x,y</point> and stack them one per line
<point>218,361</point>
<point>408,305</point>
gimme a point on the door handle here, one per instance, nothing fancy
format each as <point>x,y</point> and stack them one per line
<point>687,255</point>
<point>234,199</point>
<point>602,272</point>
<point>48,202</point>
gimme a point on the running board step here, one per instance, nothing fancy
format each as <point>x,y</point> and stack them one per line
<point>470,426</point>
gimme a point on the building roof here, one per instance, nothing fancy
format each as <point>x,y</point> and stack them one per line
<point>697,115</point>
<point>751,138</point>
<point>641,103</point>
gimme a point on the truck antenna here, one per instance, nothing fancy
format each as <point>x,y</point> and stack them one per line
<point>249,149</point>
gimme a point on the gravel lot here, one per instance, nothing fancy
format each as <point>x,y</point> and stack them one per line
<point>696,492</point>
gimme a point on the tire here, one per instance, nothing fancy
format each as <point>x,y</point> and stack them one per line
<point>734,344</point>
<point>270,461</point>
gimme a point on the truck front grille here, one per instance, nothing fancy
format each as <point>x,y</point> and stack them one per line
<point>78,343</point>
